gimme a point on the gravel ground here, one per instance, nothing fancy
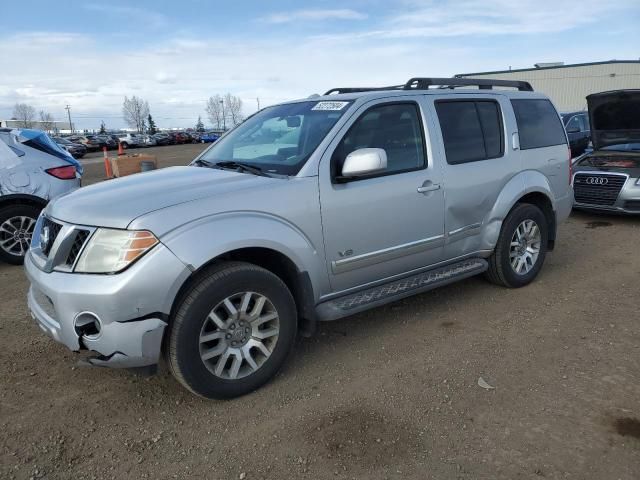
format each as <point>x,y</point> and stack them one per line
<point>390,393</point>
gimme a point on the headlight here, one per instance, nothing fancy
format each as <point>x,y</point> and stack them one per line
<point>110,251</point>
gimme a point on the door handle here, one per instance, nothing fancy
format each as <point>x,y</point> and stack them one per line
<point>428,187</point>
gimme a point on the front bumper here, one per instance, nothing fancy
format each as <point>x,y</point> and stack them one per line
<point>627,201</point>
<point>132,307</point>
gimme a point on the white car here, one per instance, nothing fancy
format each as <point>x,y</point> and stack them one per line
<point>33,170</point>
<point>129,140</point>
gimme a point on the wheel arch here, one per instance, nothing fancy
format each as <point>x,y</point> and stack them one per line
<point>527,187</point>
<point>297,281</point>
<point>22,199</point>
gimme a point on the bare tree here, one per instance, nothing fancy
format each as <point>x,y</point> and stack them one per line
<point>46,121</point>
<point>234,108</point>
<point>24,114</point>
<point>215,110</point>
<point>135,112</point>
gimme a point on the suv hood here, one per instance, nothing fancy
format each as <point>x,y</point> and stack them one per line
<point>116,203</point>
<point>614,117</point>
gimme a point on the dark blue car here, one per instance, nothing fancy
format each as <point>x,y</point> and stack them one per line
<point>208,137</point>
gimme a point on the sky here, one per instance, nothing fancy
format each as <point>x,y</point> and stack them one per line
<point>91,54</point>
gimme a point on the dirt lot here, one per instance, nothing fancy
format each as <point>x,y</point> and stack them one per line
<point>391,393</point>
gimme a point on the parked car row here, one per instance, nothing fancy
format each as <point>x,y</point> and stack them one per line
<point>79,145</point>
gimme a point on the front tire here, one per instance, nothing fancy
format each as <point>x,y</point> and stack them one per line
<point>521,248</point>
<point>16,228</point>
<point>232,331</point>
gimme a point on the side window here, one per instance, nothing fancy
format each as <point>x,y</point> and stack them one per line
<point>585,123</point>
<point>471,130</point>
<point>538,124</point>
<point>396,128</point>
<point>573,124</point>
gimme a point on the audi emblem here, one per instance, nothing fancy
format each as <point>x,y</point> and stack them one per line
<point>597,180</point>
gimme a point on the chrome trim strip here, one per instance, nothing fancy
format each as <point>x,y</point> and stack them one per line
<point>466,230</point>
<point>386,254</point>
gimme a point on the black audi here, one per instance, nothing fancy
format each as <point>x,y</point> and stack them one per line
<point>608,178</point>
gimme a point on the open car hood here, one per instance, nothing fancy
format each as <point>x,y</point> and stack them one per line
<point>614,117</point>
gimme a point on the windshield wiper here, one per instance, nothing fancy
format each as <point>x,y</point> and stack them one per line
<point>203,163</point>
<point>233,165</point>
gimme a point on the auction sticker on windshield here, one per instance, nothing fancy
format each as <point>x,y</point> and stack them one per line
<point>330,105</point>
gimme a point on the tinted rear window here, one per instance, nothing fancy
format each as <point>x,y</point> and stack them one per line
<point>538,124</point>
<point>471,130</point>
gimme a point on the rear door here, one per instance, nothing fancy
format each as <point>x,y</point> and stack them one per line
<point>543,141</point>
<point>478,163</point>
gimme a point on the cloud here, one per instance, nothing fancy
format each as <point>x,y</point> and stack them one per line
<point>178,72</point>
<point>314,15</point>
<point>134,14</point>
<point>488,18</point>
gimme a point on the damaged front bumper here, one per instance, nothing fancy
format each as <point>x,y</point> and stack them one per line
<point>126,312</point>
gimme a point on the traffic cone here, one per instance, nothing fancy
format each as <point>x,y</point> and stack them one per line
<point>107,163</point>
<point>120,149</point>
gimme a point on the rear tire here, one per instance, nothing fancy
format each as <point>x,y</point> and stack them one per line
<point>16,228</point>
<point>232,331</point>
<point>519,253</point>
<point>125,145</point>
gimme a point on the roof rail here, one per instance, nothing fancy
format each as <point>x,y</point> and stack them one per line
<point>361,89</point>
<point>421,83</point>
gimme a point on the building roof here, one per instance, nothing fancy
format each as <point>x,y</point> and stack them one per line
<point>553,67</point>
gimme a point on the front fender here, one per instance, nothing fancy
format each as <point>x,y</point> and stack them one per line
<point>528,181</point>
<point>198,242</point>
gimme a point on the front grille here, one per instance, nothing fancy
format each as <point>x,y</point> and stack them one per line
<point>632,205</point>
<point>53,229</point>
<point>597,189</point>
<point>78,243</point>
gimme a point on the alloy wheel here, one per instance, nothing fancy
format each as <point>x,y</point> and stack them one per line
<point>239,335</point>
<point>15,235</point>
<point>525,247</point>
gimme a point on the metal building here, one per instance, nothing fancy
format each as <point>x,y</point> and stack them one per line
<point>568,85</point>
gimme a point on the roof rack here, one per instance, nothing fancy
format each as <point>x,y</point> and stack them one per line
<point>361,89</point>
<point>484,83</point>
<point>423,83</point>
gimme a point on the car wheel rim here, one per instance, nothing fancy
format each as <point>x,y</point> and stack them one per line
<point>239,335</point>
<point>15,235</point>
<point>525,247</point>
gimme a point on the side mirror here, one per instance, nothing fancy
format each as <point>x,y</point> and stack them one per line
<point>364,161</point>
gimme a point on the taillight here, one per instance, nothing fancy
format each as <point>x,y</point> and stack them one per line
<point>63,173</point>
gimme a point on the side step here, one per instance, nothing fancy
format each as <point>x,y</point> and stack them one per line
<point>405,287</point>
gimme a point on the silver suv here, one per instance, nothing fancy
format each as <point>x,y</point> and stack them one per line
<point>308,211</point>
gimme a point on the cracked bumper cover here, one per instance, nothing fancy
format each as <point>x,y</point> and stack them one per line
<point>131,307</point>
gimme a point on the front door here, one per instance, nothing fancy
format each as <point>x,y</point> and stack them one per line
<point>391,222</point>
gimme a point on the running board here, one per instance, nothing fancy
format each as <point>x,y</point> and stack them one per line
<point>405,287</point>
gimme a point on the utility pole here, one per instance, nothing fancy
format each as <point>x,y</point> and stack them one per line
<point>68,109</point>
<point>258,100</point>
<point>224,117</point>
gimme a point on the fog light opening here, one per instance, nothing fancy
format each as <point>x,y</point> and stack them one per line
<point>87,325</point>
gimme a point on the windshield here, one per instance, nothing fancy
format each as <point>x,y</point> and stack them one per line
<point>278,139</point>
